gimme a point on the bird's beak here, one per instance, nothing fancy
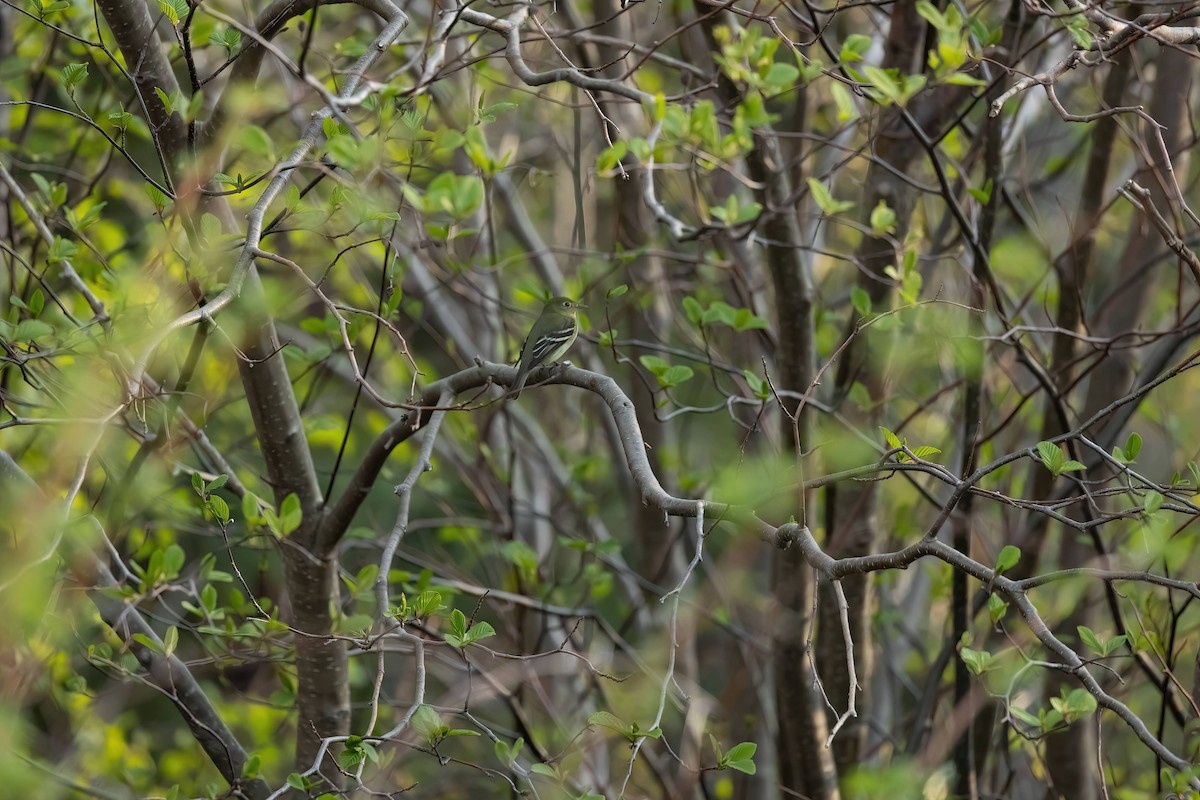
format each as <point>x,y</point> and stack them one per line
<point>581,305</point>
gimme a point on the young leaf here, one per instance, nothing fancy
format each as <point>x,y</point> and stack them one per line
<point>861,300</point>
<point>978,661</point>
<point>883,219</point>
<point>741,758</point>
<point>825,200</point>
<point>997,608</point>
<point>72,75</point>
<point>170,640</point>
<point>1133,446</point>
<point>1008,558</point>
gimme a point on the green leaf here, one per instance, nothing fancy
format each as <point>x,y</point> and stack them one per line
<point>740,757</point>
<point>1133,446</point>
<point>978,661</point>
<point>694,311</point>
<point>508,754</point>
<point>229,38</point>
<point>428,602</point>
<point>617,291</point>
<point>170,640</point>
<point>168,11</point>
<point>1053,456</point>
<point>72,75</point>
<point>605,719</point>
<point>156,196</point>
<point>290,514</point>
<point>297,781</point>
<point>1077,25</point>
<point>62,249</point>
<point>720,312</point>
<point>1007,559</point>
<point>760,387</point>
<point>982,195</point>
<point>1150,503</point>
<point>428,723</point>
<point>480,630</point>
<point>147,642</point>
<point>883,83</point>
<point>208,597</point>
<point>745,320</point>
<point>256,140</point>
<point>997,608</point>
<point>1025,716</point>
<point>1080,704</point>
<point>458,629</point>
<point>250,507</point>
<point>781,76</point>
<point>31,329</point>
<point>219,508</point>
<point>655,364</point>
<point>930,14</point>
<point>1089,639</point>
<point>166,100</point>
<point>611,156</point>
<point>120,119</point>
<point>861,300</point>
<point>173,560</point>
<point>853,48</point>
<point>825,200</point>
<point>675,375</point>
<point>963,79</point>
<point>883,219</point>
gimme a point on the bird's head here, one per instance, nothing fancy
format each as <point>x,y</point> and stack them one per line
<point>564,305</point>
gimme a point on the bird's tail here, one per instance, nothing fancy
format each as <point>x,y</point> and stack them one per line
<point>519,383</point>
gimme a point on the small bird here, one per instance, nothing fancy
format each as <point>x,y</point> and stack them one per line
<point>551,336</point>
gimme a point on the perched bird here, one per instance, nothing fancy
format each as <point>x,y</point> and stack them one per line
<point>551,336</point>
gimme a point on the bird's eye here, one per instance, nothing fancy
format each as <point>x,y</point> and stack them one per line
<point>566,304</point>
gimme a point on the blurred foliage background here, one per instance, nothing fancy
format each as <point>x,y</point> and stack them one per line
<point>917,277</point>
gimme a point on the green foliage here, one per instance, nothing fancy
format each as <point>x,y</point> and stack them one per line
<point>1007,559</point>
<point>287,520</point>
<point>409,212</point>
<point>734,213</point>
<point>997,608</point>
<point>740,757</point>
<point>893,442</point>
<point>428,723</point>
<point>668,375</point>
<point>72,75</point>
<point>748,56</point>
<point>1102,647</point>
<point>721,313</point>
<point>631,730</point>
<point>174,10</point>
<point>978,661</point>
<point>1054,458</point>
<point>1129,453</point>
<point>228,38</point>
<point>825,200</point>
<point>460,636</point>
